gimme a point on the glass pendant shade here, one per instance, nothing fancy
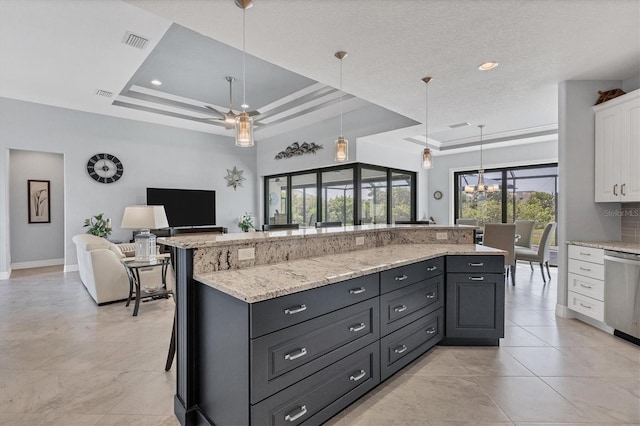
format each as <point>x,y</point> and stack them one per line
<point>342,149</point>
<point>426,159</point>
<point>244,130</point>
<point>481,186</point>
<point>469,189</point>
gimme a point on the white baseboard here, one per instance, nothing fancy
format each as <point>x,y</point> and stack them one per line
<point>70,268</point>
<point>5,275</point>
<point>37,264</point>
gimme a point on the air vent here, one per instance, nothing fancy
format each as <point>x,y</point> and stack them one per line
<point>455,126</point>
<point>104,93</point>
<point>134,40</point>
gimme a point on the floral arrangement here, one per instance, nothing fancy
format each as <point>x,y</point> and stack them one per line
<point>245,222</point>
<point>98,225</point>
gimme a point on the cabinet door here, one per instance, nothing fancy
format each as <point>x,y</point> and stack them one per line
<point>607,173</point>
<point>630,151</point>
<point>475,306</point>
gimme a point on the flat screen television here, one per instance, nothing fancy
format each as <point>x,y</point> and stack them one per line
<point>185,207</point>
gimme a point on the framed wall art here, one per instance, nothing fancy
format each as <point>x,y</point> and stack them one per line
<point>39,201</point>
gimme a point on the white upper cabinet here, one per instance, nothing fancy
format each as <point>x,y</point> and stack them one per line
<point>617,174</point>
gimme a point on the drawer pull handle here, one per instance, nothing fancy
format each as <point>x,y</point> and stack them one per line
<point>585,254</point>
<point>431,330</point>
<point>622,189</point>
<point>359,327</point>
<point>296,310</point>
<point>360,375</point>
<point>400,349</point>
<point>431,295</point>
<point>400,308</point>
<point>477,265</point>
<point>585,306</point>
<point>295,355</point>
<point>293,417</point>
<point>476,278</point>
<point>401,278</point>
<point>585,269</point>
<point>357,290</point>
<point>585,286</point>
<point>615,189</point>
<point>432,268</point>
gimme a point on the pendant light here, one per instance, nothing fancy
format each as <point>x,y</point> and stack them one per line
<point>342,145</point>
<point>426,154</point>
<point>481,187</point>
<point>244,123</point>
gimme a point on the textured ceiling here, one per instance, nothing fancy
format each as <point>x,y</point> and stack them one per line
<point>60,52</point>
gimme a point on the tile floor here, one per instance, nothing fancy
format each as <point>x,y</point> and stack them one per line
<point>65,361</point>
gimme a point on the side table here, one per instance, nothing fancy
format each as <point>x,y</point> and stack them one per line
<point>133,271</point>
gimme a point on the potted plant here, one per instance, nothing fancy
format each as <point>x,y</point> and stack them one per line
<point>245,222</point>
<point>98,226</point>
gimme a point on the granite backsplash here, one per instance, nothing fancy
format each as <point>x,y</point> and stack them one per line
<point>630,223</point>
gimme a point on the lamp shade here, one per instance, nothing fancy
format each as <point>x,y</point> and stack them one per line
<point>144,217</point>
<point>244,130</point>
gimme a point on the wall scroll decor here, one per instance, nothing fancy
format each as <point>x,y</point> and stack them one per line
<point>234,178</point>
<point>298,149</point>
<point>39,207</point>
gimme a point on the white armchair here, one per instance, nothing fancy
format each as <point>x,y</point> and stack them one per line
<point>101,270</point>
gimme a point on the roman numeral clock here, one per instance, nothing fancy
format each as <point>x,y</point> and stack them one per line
<point>105,168</point>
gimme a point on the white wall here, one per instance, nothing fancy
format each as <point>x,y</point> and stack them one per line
<point>152,155</point>
<point>632,83</point>
<point>440,177</point>
<point>579,217</point>
<point>36,244</point>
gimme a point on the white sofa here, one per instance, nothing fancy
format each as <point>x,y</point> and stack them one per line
<point>101,270</point>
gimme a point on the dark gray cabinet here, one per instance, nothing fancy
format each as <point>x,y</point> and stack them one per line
<point>301,358</point>
<point>475,300</point>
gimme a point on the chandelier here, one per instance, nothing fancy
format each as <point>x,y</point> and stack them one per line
<point>481,187</point>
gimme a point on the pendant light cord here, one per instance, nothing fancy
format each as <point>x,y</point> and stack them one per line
<point>341,106</point>
<point>481,126</point>
<point>244,70</point>
<point>426,119</point>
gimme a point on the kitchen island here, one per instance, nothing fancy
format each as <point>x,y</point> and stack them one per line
<point>290,327</point>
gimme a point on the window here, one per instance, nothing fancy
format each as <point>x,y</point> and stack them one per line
<point>529,192</point>
<point>352,194</point>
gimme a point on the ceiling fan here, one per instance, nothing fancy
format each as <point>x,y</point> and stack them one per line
<point>229,118</point>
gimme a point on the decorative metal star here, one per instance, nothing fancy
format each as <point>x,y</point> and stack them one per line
<point>234,178</point>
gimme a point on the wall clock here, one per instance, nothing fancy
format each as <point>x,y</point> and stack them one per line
<point>105,168</point>
<point>437,195</point>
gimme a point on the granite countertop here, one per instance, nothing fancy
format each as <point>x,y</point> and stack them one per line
<point>269,281</point>
<point>190,241</point>
<point>623,246</point>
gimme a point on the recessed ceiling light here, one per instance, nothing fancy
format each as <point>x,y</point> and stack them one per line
<point>486,66</point>
<point>156,82</point>
<point>463,124</point>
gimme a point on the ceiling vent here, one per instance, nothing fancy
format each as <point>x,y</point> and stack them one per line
<point>104,93</point>
<point>134,40</point>
<point>455,126</point>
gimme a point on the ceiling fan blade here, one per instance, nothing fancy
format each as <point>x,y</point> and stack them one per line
<point>221,114</point>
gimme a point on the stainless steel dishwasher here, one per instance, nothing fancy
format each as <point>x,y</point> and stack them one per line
<point>622,294</point>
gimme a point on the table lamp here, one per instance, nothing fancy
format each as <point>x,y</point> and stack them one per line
<point>144,218</point>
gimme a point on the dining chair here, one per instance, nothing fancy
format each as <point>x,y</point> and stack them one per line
<point>502,236</point>
<point>328,224</point>
<point>542,254</point>
<point>280,227</point>
<point>524,228</point>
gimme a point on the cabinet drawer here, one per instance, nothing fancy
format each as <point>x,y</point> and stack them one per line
<point>585,305</point>
<point>588,254</point>
<point>407,304</point>
<point>586,286</point>
<point>281,312</point>
<point>587,269</point>
<point>475,264</point>
<point>354,375</point>
<point>403,346</point>
<point>282,358</point>
<point>403,276</point>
